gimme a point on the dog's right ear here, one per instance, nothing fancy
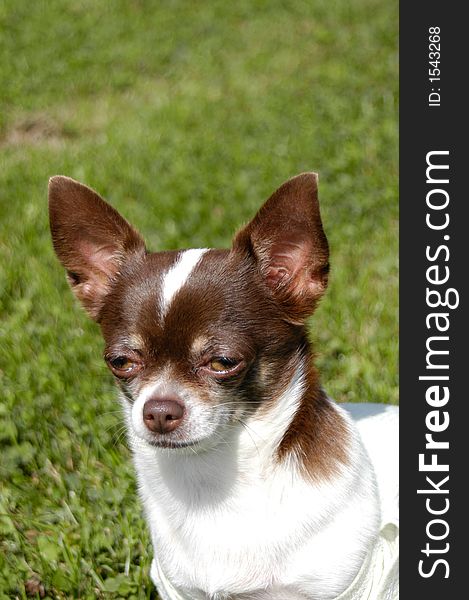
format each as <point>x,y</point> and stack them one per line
<point>91,240</point>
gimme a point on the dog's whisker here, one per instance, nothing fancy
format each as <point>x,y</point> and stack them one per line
<point>248,432</point>
<point>119,436</point>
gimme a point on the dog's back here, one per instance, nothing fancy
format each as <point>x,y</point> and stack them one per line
<point>378,425</point>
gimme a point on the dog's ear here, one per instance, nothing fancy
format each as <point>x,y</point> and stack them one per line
<point>288,243</point>
<point>91,240</point>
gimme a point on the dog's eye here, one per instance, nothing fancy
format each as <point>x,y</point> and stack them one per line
<point>122,366</point>
<point>221,364</point>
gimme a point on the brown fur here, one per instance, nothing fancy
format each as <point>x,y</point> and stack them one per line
<point>316,436</point>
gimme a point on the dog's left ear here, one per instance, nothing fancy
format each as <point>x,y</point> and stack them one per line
<point>288,243</point>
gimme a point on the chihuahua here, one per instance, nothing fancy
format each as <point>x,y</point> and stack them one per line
<point>255,484</point>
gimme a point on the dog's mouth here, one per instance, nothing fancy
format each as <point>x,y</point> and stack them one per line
<point>172,444</point>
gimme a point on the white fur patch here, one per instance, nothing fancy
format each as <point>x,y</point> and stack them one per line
<point>179,273</point>
<point>266,432</point>
<point>200,422</point>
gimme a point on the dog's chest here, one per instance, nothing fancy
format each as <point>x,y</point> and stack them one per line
<point>208,545</point>
<point>238,537</point>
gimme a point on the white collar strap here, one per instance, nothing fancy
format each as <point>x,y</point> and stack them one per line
<point>378,578</point>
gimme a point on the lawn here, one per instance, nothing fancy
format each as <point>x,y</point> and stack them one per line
<point>186,115</point>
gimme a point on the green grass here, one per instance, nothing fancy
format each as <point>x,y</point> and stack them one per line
<point>186,115</point>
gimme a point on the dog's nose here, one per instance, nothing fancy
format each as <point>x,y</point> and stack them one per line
<point>162,415</point>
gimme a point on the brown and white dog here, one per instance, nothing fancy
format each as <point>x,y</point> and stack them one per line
<point>254,483</point>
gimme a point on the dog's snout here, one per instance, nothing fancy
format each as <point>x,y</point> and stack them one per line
<point>162,415</point>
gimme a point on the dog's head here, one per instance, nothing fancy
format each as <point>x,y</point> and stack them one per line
<point>197,339</point>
